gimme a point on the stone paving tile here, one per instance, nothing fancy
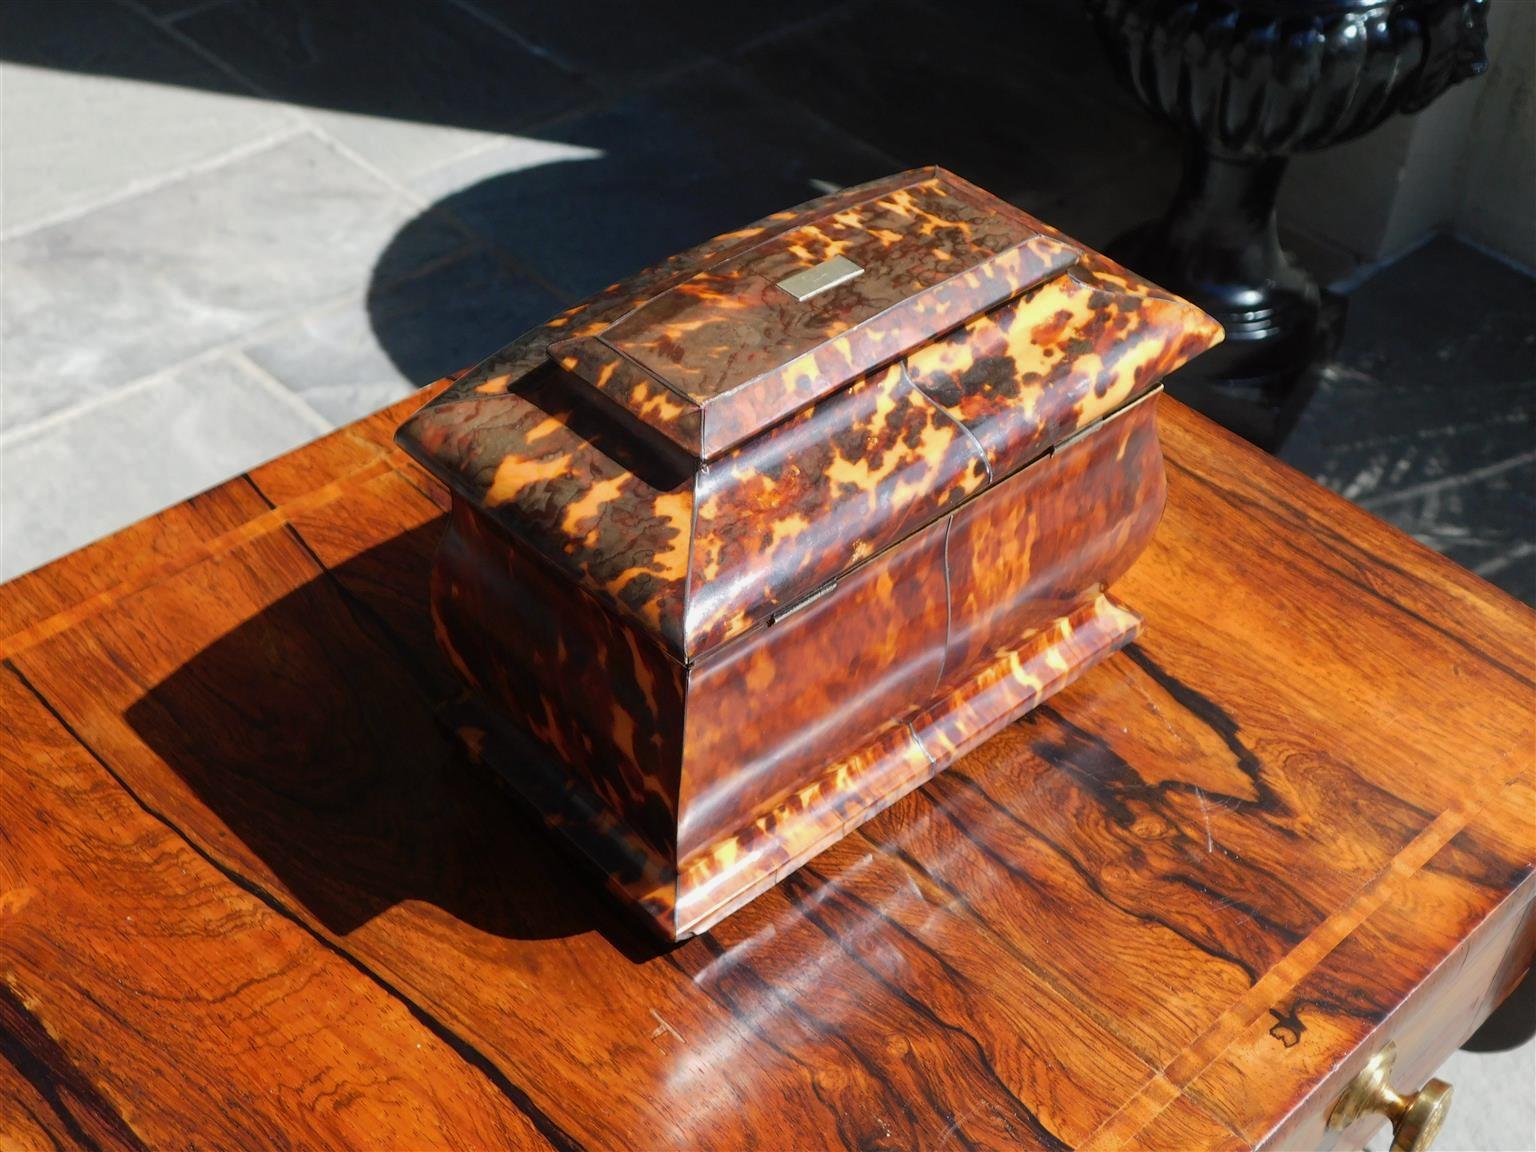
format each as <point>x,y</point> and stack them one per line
<point>619,41</point>
<point>352,359</point>
<point>1443,314</point>
<point>66,125</point>
<point>979,90</point>
<point>375,72</point>
<point>143,283</point>
<point>645,177</point>
<point>1099,211</point>
<point>401,149</point>
<point>1048,39</point>
<point>1428,416</point>
<point>1456,469</point>
<point>170,9</point>
<point>93,472</point>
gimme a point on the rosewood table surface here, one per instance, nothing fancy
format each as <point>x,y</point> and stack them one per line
<point>251,896</point>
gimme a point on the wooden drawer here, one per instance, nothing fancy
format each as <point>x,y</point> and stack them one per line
<point>1433,1024</point>
<point>1442,947</point>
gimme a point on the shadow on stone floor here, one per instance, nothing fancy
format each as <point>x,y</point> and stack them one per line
<point>1427,416</point>
<point>706,114</point>
<point>901,74</point>
<point>633,132</point>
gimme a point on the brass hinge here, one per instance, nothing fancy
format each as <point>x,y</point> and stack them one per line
<point>803,602</point>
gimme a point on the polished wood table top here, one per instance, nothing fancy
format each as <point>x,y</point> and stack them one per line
<point>251,895</point>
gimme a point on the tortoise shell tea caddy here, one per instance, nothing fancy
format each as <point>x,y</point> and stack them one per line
<point>748,546</point>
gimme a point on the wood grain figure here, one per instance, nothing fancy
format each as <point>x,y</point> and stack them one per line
<point>253,895</point>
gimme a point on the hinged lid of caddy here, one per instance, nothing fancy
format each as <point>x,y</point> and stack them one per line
<point>809,306</point>
<point>706,444</point>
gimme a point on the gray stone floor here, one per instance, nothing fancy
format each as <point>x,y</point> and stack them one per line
<point>229,225</point>
<point>1427,417</point>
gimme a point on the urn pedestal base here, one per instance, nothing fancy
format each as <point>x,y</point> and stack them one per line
<point>1219,245</point>
<point>680,899</point>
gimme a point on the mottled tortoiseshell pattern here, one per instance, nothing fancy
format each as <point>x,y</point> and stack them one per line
<point>695,787</point>
<point>589,486</point>
<point>589,689</point>
<point>612,517</point>
<point>766,713</point>
<point>727,352</point>
<point>705,671</point>
<point>679,901</point>
<point>1027,375</point>
<point>861,470</point>
<point>1025,556</point>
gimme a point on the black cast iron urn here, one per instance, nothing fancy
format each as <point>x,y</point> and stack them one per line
<point>1250,83</point>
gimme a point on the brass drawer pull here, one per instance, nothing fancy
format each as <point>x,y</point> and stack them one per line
<point>1416,1119</point>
